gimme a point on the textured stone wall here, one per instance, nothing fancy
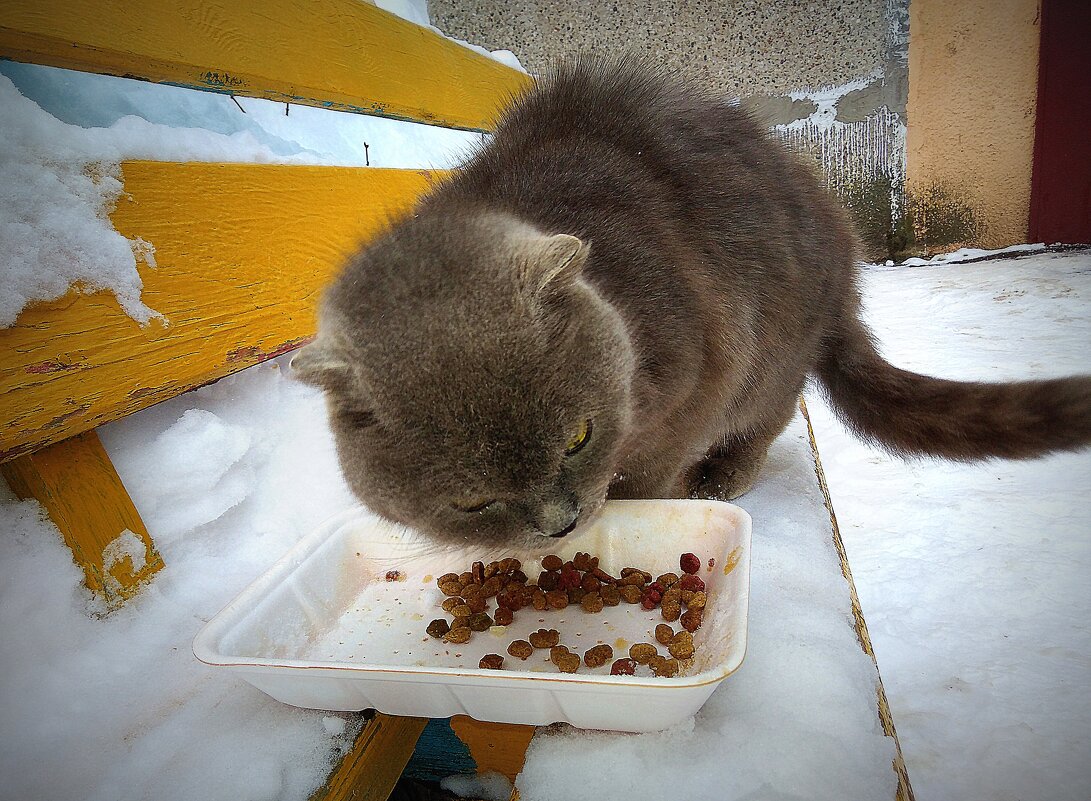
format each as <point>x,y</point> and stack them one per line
<point>828,76</point>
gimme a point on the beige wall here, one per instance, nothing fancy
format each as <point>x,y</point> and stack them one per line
<point>973,76</point>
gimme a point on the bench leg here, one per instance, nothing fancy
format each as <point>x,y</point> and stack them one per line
<point>75,481</point>
<point>372,767</point>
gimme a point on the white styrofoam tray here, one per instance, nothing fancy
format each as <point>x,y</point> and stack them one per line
<point>325,629</point>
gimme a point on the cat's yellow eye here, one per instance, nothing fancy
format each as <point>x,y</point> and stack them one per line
<point>473,504</point>
<point>578,439</point>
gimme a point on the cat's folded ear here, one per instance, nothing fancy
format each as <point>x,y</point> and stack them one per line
<point>554,261</point>
<point>319,365</point>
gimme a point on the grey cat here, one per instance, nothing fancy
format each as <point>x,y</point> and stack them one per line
<point>621,295</point>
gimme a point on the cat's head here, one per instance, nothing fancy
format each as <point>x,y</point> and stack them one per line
<point>478,387</point>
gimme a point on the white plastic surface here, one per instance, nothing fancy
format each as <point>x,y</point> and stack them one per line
<point>325,629</point>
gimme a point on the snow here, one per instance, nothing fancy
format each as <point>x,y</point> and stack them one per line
<point>485,786</point>
<point>973,578</point>
<point>972,254</point>
<point>59,172</point>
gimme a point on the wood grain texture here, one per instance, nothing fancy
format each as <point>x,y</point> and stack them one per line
<point>76,483</point>
<point>340,54</point>
<point>495,747</point>
<point>372,767</point>
<point>243,252</point>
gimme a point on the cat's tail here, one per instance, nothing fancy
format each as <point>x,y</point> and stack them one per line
<point>912,414</point>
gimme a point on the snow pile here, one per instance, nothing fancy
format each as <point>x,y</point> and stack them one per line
<point>226,478</point>
<point>973,578</point>
<point>59,181</point>
<point>798,720</point>
<point>971,254</point>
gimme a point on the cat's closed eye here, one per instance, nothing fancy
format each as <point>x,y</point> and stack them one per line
<point>473,505</point>
<point>579,438</point>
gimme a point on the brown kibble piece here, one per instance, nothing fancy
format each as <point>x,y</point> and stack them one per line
<point>552,562</point>
<point>611,595</point>
<point>582,561</point>
<point>558,599</point>
<point>697,601</point>
<point>590,583</point>
<point>477,572</point>
<point>491,569</point>
<point>458,635</point>
<point>520,649</point>
<point>491,586</point>
<point>598,656</point>
<point>603,576</point>
<point>509,565</point>
<point>466,578</point>
<point>632,580</point>
<point>630,593</point>
<point>692,619</point>
<point>575,595</point>
<point>446,577</point>
<point>671,610</point>
<point>503,616</point>
<point>664,667</point>
<point>450,588</point>
<point>545,638</point>
<point>477,604</point>
<point>623,667</point>
<point>450,603</point>
<point>549,580</point>
<point>480,621</point>
<point>556,652</point>
<point>462,610</point>
<point>460,621</point>
<point>538,600</point>
<point>641,652</point>
<point>664,633</point>
<point>438,627</point>
<point>681,647</point>
<point>568,663</point>
<point>668,580</point>
<point>491,662</point>
<point>592,602</point>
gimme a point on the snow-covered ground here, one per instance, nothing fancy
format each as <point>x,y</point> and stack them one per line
<point>974,578</point>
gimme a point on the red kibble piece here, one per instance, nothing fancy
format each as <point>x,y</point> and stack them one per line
<point>569,579</point>
<point>689,563</point>
<point>623,667</point>
<point>691,582</point>
<point>659,588</point>
<point>650,599</point>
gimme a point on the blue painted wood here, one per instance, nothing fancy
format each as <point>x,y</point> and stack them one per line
<point>439,753</point>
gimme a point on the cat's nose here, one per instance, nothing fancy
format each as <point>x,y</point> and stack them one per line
<point>557,517</point>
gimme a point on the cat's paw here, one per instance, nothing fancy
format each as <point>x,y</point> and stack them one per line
<point>723,479</point>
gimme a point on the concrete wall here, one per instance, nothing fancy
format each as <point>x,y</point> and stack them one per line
<point>973,68</point>
<point>829,76</point>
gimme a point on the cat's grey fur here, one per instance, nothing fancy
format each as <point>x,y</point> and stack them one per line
<point>638,253</point>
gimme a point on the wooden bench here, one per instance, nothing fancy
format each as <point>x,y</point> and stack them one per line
<point>243,251</point>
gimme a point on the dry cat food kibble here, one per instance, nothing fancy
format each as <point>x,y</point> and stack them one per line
<point>491,662</point>
<point>520,649</point>
<point>598,656</point>
<point>544,638</point>
<point>560,584</point>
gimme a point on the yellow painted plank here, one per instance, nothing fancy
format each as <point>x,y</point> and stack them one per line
<point>370,770</point>
<point>495,747</point>
<point>341,54</point>
<point>243,252</point>
<point>76,483</point>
